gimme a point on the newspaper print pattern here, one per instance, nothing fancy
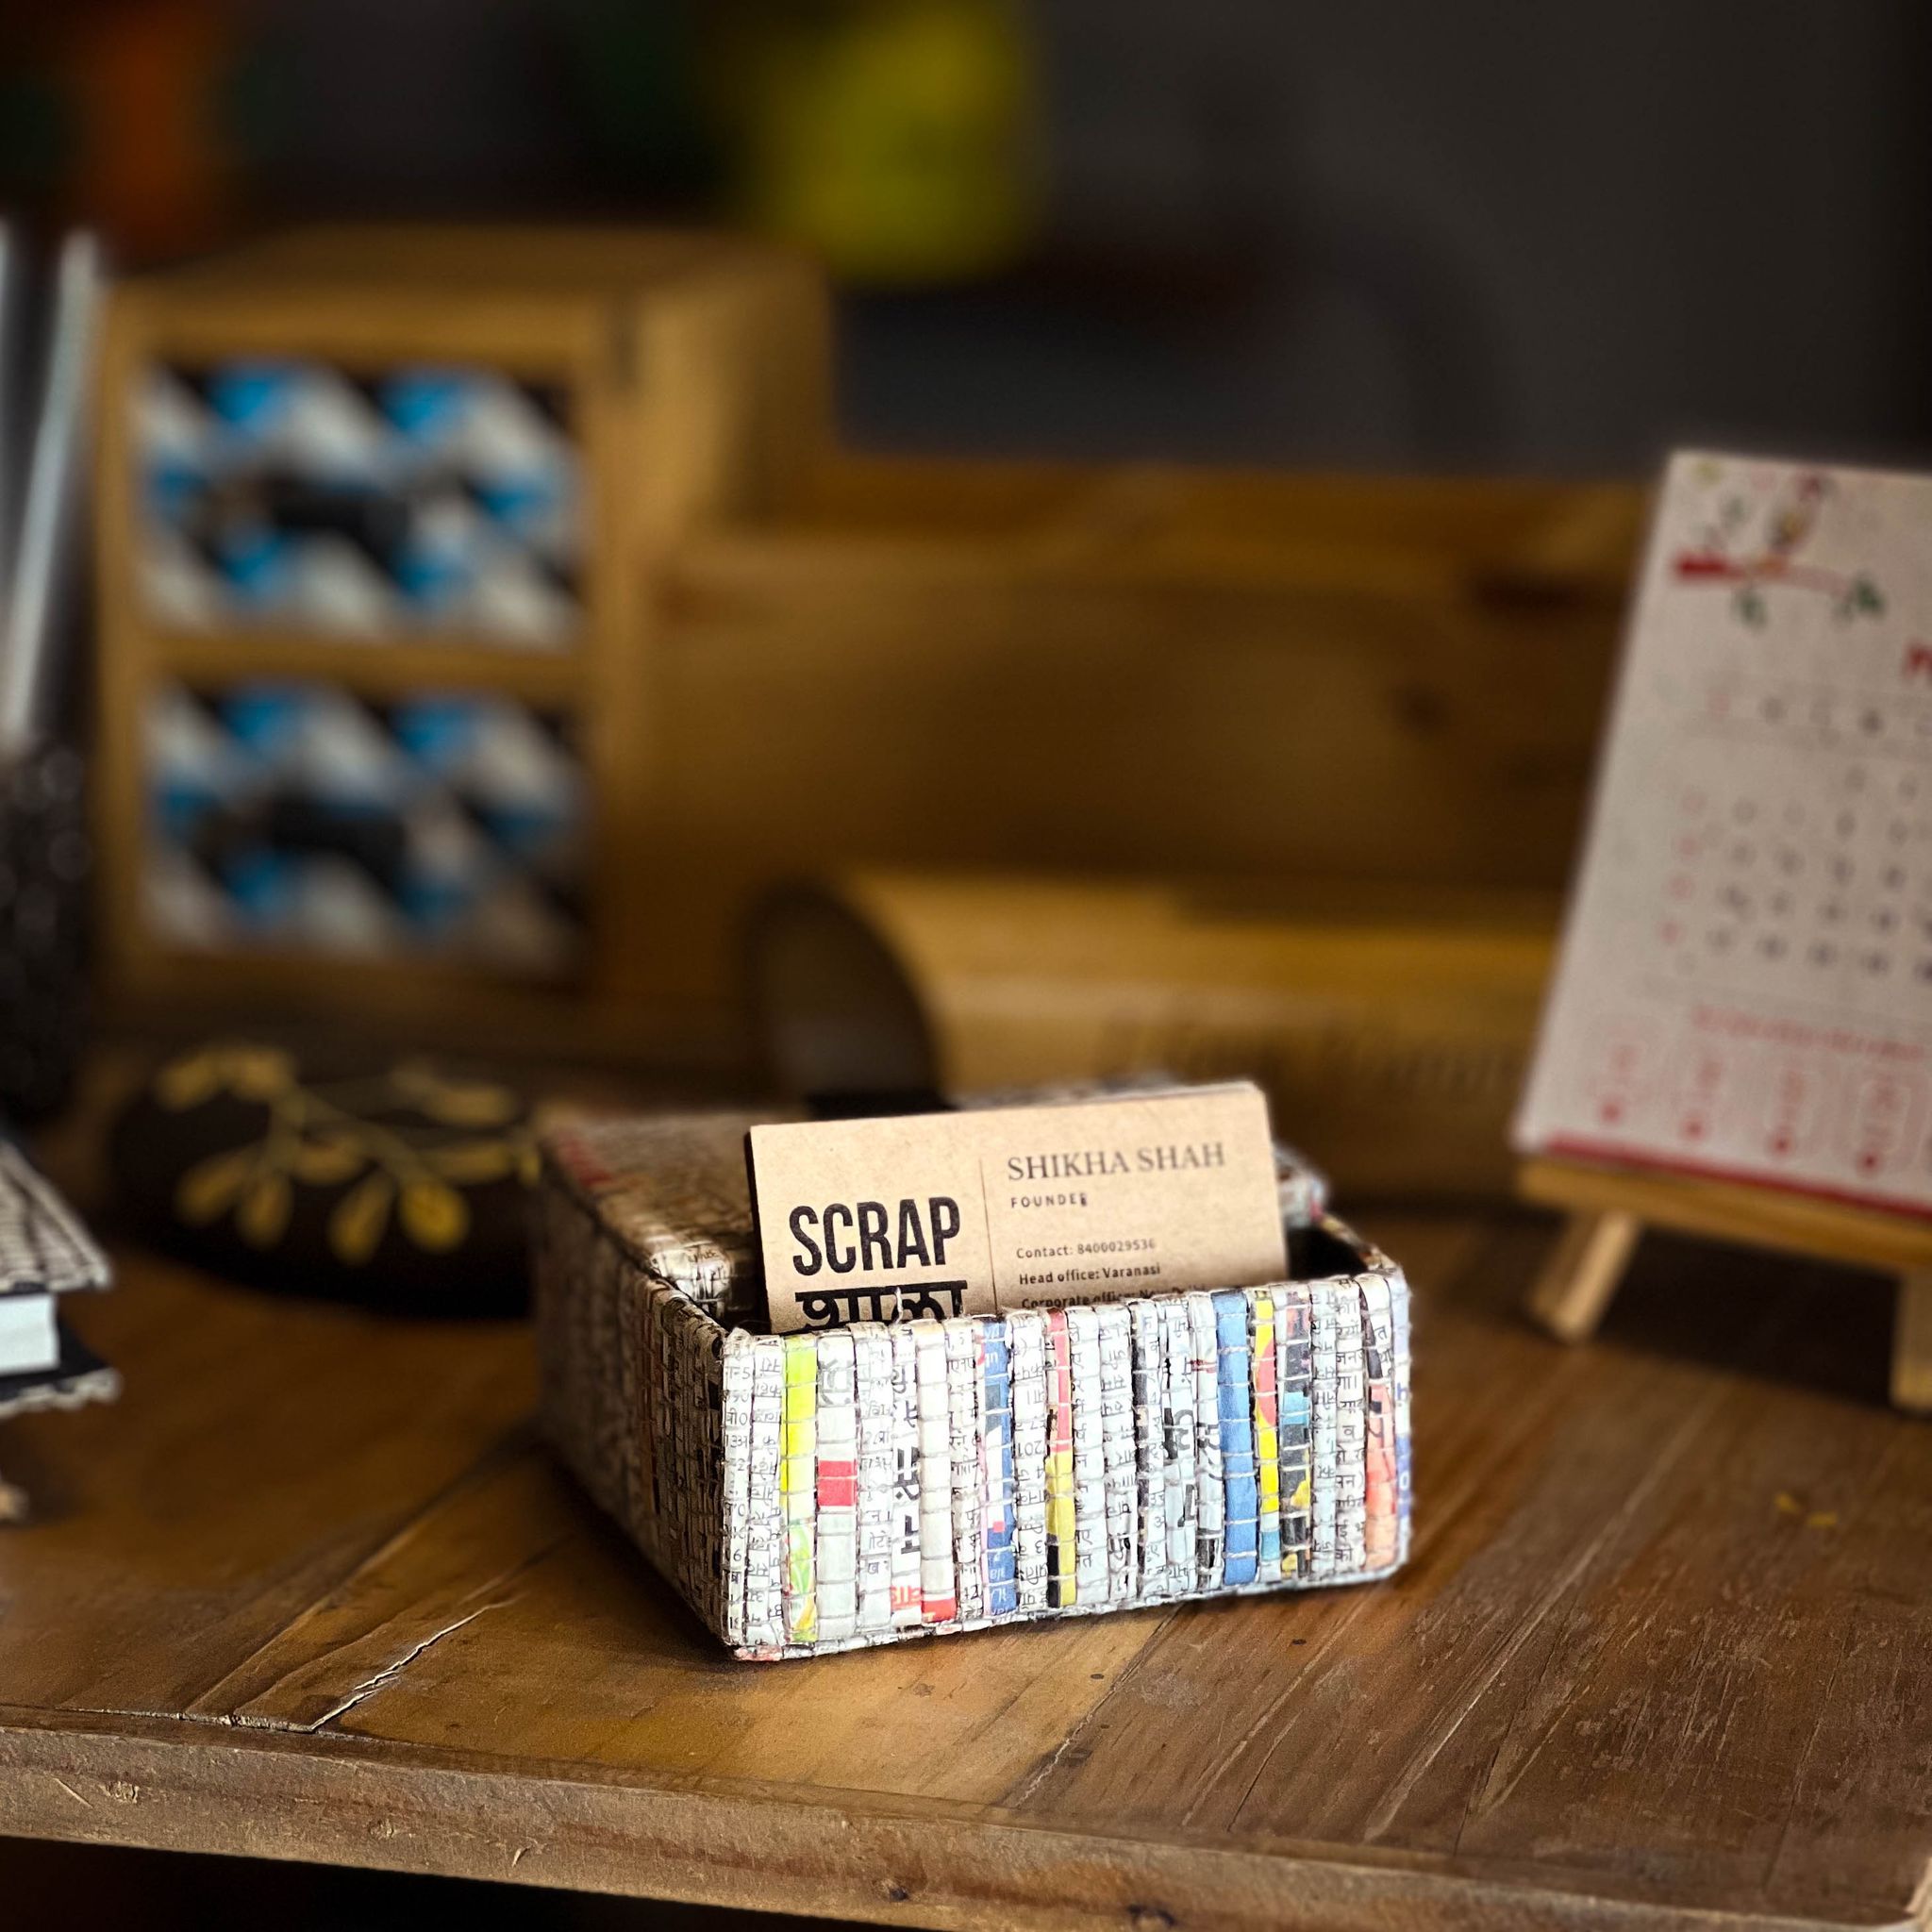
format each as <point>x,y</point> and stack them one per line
<point>965,1432</point>
<point>705,1521</point>
<point>661,1498</point>
<point>838,1489</point>
<point>1150,1455</point>
<point>1234,1401</point>
<point>907,1602</point>
<point>1177,1432</point>
<point>1378,1465</point>
<point>1026,1327</point>
<point>798,1479</point>
<point>735,1428</point>
<point>1266,1435</point>
<point>871,1352</point>
<point>938,1594</point>
<point>688,1376</point>
<point>607,1417</point>
<point>804,1501</point>
<point>1294,1375</point>
<point>1210,1528</point>
<point>638,1329</point>
<point>1002,1592</point>
<point>1398,1301</point>
<point>1322,1429</point>
<point>1351,1429</point>
<point>1062,1590</point>
<point>1089,1458</point>
<point>764,1568</point>
<point>673,1193</point>
<point>1117,1449</point>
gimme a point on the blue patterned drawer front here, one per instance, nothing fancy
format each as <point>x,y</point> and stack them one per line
<point>418,502</point>
<point>300,817</point>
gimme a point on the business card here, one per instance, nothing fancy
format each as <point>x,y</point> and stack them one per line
<point>1028,1206</point>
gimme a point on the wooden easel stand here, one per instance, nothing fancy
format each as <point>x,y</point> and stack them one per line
<point>1611,1207</point>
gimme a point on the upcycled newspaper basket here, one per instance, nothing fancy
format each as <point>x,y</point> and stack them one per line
<point>809,1494</point>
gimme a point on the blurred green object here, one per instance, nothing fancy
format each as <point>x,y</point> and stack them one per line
<point>899,139</point>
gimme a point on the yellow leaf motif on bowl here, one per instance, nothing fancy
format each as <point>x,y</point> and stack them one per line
<point>189,1081</point>
<point>262,1218</point>
<point>434,1216</point>
<point>361,1217</point>
<point>324,1163</point>
<point>209,1189</point>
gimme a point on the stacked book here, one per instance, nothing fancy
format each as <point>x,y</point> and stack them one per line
<point>44,1253</point>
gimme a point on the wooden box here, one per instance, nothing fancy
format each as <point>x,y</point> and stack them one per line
<point>378,508</point>
<point>1128,673</point>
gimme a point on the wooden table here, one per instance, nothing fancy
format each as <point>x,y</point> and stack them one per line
<point>1664,1653</point>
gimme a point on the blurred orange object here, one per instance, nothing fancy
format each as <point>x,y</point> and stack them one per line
<point>151,166</point>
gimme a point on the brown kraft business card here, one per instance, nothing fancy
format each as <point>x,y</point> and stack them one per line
<point>1028,1206</point>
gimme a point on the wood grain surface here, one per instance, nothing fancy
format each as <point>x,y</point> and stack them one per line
<point>1664,1656</point>
<point>798,661</point>
<point>1128,672</point>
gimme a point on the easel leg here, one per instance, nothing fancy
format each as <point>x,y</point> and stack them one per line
<point>1911,1345</point>
<point>1575,1287</point>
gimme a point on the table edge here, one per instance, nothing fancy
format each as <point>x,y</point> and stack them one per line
<point>199,1786</point>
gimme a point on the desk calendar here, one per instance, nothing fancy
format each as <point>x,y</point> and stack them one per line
<point>1745,984</point>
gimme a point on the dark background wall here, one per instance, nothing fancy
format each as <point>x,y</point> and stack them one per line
<point>1495,233</point>
<point>1552,236</point>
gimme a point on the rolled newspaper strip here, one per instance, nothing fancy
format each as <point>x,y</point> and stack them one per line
<point>1390,1034</point>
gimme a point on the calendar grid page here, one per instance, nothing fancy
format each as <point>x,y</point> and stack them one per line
<point>1745,983</point>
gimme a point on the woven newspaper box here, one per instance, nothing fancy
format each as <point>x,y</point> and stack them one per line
<point>818,1493</point>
